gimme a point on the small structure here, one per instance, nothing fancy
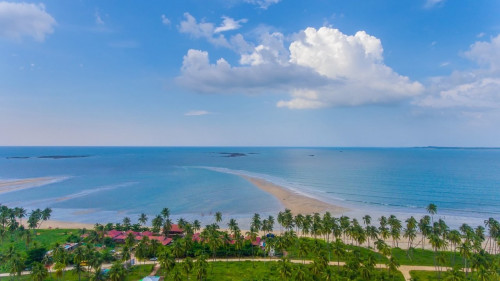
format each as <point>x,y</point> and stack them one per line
<point>152,278</point>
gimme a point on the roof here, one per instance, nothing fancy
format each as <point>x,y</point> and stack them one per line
<point>176,228</point>
<point>151,278</point>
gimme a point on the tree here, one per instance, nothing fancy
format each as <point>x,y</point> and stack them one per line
<point>16,265</point>
<point>285,268</point>
<point>187,266</point>
<point>176,274</point>
<point>157,223</point>
<point>165,212</point>
<point>201,267</point>
<point>303,250</point>
<point>338,250</point>
<point>143,218</point>
<point>98,275</point>
<point>78,258</point>
<point>38,272</point>
<point>432,210</point>
<point>218,217</point>
<point>117,272</point>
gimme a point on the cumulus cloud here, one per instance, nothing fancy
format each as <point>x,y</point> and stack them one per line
<point>320,68</point>
<point>18,20</point>
<point>477,88</point>
<point>196,113</point>
<point>165,20</point>
<point>202,30</point>
<point>229,24</point>
<point>263,4</point>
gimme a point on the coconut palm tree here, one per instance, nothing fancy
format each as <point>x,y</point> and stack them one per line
<point>157,223</point>
<point>338,249</point>
<point>201,267</point>
<point>117,272</point>
<point>256,223</point>
<point>165,213</point>
<point>465,252</point>
<point>16,265</point>
<point>218,217</point>
<point>187,266</point>
<point>303,250</point>
<point>285,268</point>
<point>432,210</point>
<point>143,218</point>
<point>425,228</point>
<point>38,272</point>
<point>196,225</point>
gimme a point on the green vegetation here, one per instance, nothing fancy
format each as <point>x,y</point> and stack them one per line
<point>271,271</point>
<point>135,273</point>
<point>316,240</point>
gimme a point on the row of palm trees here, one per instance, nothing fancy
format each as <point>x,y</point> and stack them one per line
<point>471,243</point>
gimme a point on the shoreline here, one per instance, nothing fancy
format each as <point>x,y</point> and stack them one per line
<point>297,203</point>
<point>56,224</point>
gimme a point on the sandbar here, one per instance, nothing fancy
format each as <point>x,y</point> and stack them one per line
<point>19,184</point>
<point>297,203</point>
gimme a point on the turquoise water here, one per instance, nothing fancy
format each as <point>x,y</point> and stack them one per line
<point>196,182</point>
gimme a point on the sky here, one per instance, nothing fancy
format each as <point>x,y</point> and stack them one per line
<point>250,73</point>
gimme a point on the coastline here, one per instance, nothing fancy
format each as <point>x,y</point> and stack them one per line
<point>54,224</point>
<point>297,203</point>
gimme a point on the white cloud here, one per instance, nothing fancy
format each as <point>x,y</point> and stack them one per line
<point>202,30</point>
<point>481,35</point>
<point>320,68</point>
<point>197,113</point>
<point>263,4</point>
<point>165,20</point>
<point>477,88</point>
<point>23,19</point>
<point>432,3</point>
<point>98,19</point>
<point>229,24</point>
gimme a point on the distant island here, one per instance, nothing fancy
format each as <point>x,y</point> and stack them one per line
<point>49,157</point>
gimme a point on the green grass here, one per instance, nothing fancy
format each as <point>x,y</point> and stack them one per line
<point>46,238</point>
<point>425,257</point>
<point>136,273</point>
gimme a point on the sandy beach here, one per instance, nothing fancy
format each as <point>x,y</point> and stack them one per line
<point>297,203</point>
<point>52,224</point>
<point>14,185</point>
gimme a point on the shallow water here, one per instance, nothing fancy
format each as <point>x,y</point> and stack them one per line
<point>112,182</point>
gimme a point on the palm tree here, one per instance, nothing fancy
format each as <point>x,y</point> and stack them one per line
<point>117,272</point>
<point>338,250</point>
<point>38,272</point>
<point>201,267</point>
<point>98,275</point>
<point>157,223</point>
<point>16,265</point>
<point>300,274</point>
<point>465,252</point>
<point>78,258</point>
<point>176,274</point>
<point>285,268</point>
<point>432,210</point>
<point>424,228</point>
<point>218,217</point>
<point>196,225</point>
<point>187,266</point>
<point>303,250</point>
<point>165,213</point>
<point>143,218</point>
<point>392,265</point>
<point>455,274</point>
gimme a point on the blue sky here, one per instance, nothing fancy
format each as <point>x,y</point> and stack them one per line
<point>250,72</point>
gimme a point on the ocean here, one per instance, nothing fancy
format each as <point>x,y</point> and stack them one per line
<point>105,184</point>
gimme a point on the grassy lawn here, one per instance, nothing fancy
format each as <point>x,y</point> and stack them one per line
<point>46,238</point>
<point>136,273</point>
<point>424,257</point>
